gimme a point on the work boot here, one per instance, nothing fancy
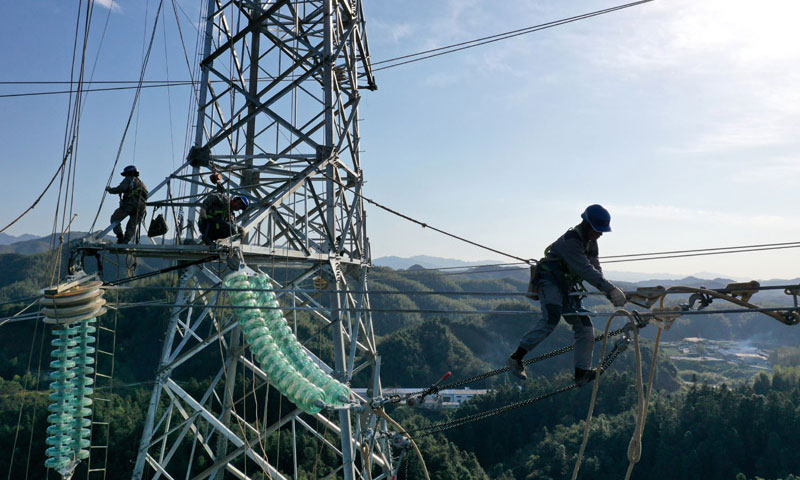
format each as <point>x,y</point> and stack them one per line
<point>516,368</point>
<point>582,377</point>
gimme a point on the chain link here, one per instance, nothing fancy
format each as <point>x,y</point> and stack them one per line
<point>440,427</point>
<point>481,376</point>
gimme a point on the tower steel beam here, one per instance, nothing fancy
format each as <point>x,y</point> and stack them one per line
<point>283,130</point>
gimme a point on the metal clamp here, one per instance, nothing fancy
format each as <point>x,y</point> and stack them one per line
<point>665,317</point>
<point>743,290</point>
<point>419,399</point>
<point>622,342</point>
<point>790,317</point>
<point>794,292</point>
<point>646,296</point>
<point>704,300</point>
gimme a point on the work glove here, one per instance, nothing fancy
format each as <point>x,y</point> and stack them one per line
<point>617,297</point>
<point>108,189</point>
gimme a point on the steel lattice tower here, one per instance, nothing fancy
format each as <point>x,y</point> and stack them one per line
<point>278,116</point>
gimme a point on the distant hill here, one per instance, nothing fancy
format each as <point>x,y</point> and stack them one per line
<point>426,261</point>
<point>6,239</point>
<point>40,244</point>
<point>35,244</point>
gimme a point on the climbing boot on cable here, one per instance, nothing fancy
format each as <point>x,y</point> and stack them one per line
<point>582,377</point>
<point>516,368</point>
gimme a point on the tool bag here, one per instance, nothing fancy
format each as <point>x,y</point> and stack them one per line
<point>533,292</point>
<point>158,226</point>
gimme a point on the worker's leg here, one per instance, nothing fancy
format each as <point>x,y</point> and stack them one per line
<point>583,331</point>
<point>135,218</point>
<point>215,229</point>
<point>118,216</point>
<point>133,222</point>
<point>551,312</point>
<point>221,229</point>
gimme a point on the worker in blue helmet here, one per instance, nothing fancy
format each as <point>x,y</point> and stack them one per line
<point>217,218</point>
<point>567,263</point>
<point>132,204</point>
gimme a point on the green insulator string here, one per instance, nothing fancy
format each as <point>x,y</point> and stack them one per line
<point>279,370</point>
<point>336,393</point>
<point>60,453</point>
<point>84,361</point>
<point>72,313</point>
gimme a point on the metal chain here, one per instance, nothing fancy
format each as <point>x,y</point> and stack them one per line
<point>481,376</point>
<point>440,427</point>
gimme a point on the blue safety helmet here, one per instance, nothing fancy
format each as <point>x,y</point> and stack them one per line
<point>244,201</point>
<point>129,170</point>
<point>598,218</point>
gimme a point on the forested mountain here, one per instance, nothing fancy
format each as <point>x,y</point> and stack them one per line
<point>431,322</point>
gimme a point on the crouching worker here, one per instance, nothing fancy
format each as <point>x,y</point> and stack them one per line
<point>132,204</point>
<point>567,263</point>
<point>217,220</point>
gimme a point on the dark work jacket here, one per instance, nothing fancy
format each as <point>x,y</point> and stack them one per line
<point>217,206</point>
<point>572,259</point>
<point>134,192</point>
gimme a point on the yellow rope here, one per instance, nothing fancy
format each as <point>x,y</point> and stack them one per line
<point>381,413</point>
<point>596,386</point>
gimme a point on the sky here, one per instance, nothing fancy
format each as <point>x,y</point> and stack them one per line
<point>681,117</point>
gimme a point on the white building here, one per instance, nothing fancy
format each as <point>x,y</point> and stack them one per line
<point>450,398</point>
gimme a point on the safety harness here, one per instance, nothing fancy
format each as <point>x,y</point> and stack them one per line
<point>218,208</point>
<point>138,191</point>
<point>556,269</point>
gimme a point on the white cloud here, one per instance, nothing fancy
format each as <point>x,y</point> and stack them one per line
<point>441,79</point>
<point>382,30</point>
<point>736,60</point>
<point>110,4</point>
<point>708,218</point>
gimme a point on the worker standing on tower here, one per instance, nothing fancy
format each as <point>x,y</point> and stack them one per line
<point>133,203</point>
<point>569,261</point>
<point>217,220</point>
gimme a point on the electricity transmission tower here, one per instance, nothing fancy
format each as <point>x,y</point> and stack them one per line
<point>277,116</point>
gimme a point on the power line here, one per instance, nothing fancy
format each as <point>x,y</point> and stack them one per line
<point>426,54</point>
<point>632,257</point>
<point>84,90</point>
<point>439,311</point>
<point>701,250</point>
<point>500,36</point>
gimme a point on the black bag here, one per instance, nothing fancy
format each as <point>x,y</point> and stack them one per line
<point>158,226</point>
<point>533,292</point>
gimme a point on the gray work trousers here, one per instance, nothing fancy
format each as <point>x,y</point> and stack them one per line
<point>554,304</point>
<point>136,214</point>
